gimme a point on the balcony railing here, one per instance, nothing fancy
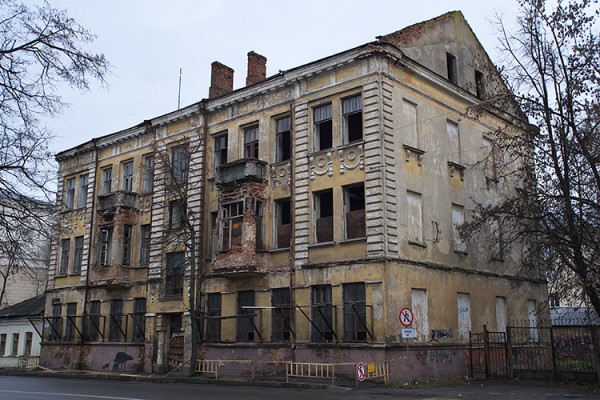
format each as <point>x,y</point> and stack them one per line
<point>116,199</point>
<point>241,170</point>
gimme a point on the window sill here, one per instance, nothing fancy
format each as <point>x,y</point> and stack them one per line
<point>354,240</point>
<point>279,250</point>
<point>322,244</point>
<point>418,244</point>
<point>463,253</point>
<point>351,144</point>
<point>321,151</point>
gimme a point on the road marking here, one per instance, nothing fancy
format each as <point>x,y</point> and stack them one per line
<point>91,396</point>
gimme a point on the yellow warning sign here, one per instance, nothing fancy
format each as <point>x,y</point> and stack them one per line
<point>371,367</point>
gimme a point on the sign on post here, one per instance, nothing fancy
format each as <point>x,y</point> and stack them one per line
<point>406,317</point>
<point>409,333</point>
<point>361,372</point>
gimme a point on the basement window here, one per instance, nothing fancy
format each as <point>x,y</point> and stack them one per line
<point>355,313</point>
<point>321,314</point>
<point>283,134</point>
<point>323,216</point>
<point>352,119</point>
<point>451,67</point>
<point>232,216</point>
<point>354,208</point>
<point>283,223</point>
<point>251,142</point>
<point>323,128</point>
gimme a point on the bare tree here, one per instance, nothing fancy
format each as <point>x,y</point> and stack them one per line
<point>40,48</point>
<point>552,63</point>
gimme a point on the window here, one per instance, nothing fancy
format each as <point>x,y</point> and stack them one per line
<point>106,180</point>
<point>116,330</point>
<point>355,312</point>
<point>174,274</point>
<point>220,150</point>
<point>451,67</point>
<point>92,321</point>
<point>105,246</point>
<point>283,223</point>
<point>354,207</point>
<point>410,124</point>
<point>148,174</point>
<point>128,176</point>
<point>251,142</point>
<point>453,142</point>
<point>179,165</point>
<point>479,84</point>
<point>127,239</point>
<point>420,308</point>
<point>83,190</point>
<point>64,256</point>
<point>415,217</point>
<point>231,225</point>
<point>458,218</point>
<point>352,119</point>
<point>246,325</point>
<point>213,320</point>
<point>463,308</point>
<point>78,256</point>
<point>145,244</point>
<point>69,193</point>
<point>2,344</point>
<point>28,343</point>
<point>283,136</point>
<point>323,128</point>
<point>281,315</point>
<point>55,322</point>
<point>70,322</point>
<point>258,222</point>
<point>176,214</point>
<point>139,319</point>
<point>15,344</point>
<point>321,313</point>
<point>323,214</point>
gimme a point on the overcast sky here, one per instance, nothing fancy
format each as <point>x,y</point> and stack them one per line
<point>148,41</point>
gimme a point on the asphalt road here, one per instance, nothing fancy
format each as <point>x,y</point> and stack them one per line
<point>29,388</point>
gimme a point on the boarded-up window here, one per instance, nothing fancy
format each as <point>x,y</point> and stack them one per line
<point>355,312</point>
<point>246,321</point>
<point>354,205</point>
<point>70,322</point>
<point>92,321</point>
<point>323,214</point>
<point>117,328</point>
<point>458,218</point>
<point>213,320</point>
<point>321,314</point>
<point>501,314</point>
<point>420,310</point>
<point>453,142</point>
<point>409,125</point>
<point>415,217</point>
<point>463,308</point>
<point>139,319</point>
<point>281,315</point>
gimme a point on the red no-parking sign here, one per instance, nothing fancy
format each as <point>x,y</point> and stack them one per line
<point>406,317</point>
<point>361,372</point>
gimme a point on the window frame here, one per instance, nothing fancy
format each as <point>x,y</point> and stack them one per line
<point>65,249</point>
<point>251,141</point>
<point>145,237</point>
<point>180,161</point>
<point>227,228</point>
<point>3,340</point>
<point>245,325</point>
<point>349,119</point>
<point>139,319</point>
<point>83,190</point>
<point>115,333</point>
<point>127,241</point>
<point>319,220</point>
<point>127,176</point>
<point>174,274</point>
<point>70,322</point>
<point>283,135</point>
<point>321,299</point>
<point>106,186</point>
<point>77,255</point>
<point>350,211</point>
<point>458,215</point>
<point>70,193</point>
<point>220,152</point>
<point>214,308</point>
<point>177,214</point>
<point>105,246</point>
<point>281,314</point>
<point>14,351</point>
<point>323,127</point>
<point>148,174</point>
<point>355,308</point>
<point>279,232</point>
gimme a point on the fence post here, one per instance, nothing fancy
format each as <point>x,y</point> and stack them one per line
<point>509,353</point>
<point>596,346</point>
<point>553,349</point>
<point>486,350</point>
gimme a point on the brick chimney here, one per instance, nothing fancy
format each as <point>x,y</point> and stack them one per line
<point>257,68</point>
<point>221,80</point>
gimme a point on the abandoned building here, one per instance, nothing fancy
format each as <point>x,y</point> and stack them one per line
<point>299,214</point>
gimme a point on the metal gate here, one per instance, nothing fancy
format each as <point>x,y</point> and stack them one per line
<point>488,355</point>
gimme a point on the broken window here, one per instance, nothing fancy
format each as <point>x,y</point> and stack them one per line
<point>127,239</point>
<point>213,320</point>
<point>15,344</point>
<point>355,312</point>
<point>128,176</point>
<point>246,320</point>
<point>323,214</point>
<point>28,343</point>
<point>323,128</point>
<point>354,207</point>
<point>258,222</point>
<point>281,315</point>
<point>2,343</point>
<point>415,217</point>
<point>78,256</point>
<point>174,274</point>
<point>220,149</point>
<point>458,219</point>
<point>451,67</point>
<point>283,137</point>
<point>106,180</point>
<point>83,190</point>
<point>69,193</point>
<point>283,223</point>
<point>251,142</point>
<point>176,214</point>
<point>232,216</point>
<point>179,165</point>
<point>105,246</point>
<point>116,326</point>
<point>148,174</point>
<point>321,313</point>
<point>65,246</point>
<point>479,84</point>
<point>70,322</point>
<point>145,244</point>
<point>352,119</point>
<point>139,319</point>
<point>453,141</point>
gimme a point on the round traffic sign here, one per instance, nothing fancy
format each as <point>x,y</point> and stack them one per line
<point>406,317</point>
<point>361,372</point>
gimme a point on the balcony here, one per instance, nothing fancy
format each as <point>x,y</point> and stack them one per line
<point>116,199</point>
<point>245,169</point>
